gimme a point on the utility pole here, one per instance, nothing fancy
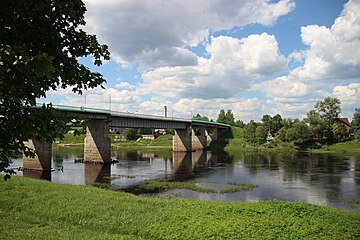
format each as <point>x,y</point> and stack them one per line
<point>165,109</point>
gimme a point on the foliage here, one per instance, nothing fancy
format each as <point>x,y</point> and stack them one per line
<point>239,123</point>
<point>71,139</point>
<point>28,212</point>
<point>318,125</point>
<point>159,185</point>
<point>240,187</point>
<point>355,123</point>
<point>260,134</point>
<point>130,134</point>
<point>227,117</point>
<point>250,131</point>
<point>40,43</point>
<point>298,133</point>
<point>339,131</point>
<point>329,109</point>
<point>199,117</point>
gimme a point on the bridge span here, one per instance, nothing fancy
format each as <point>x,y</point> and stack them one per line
<point>190,135</point>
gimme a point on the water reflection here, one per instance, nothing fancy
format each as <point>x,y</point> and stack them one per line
<point>327,179</point>
<point>43,175</point>
<point>97,173</point>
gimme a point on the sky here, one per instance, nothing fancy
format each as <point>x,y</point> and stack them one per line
<point>252,57</point>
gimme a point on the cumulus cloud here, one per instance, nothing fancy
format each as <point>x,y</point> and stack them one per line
<point>242,108</point>
<point>125,85</point>
<point>349,97</point>
<point>332,57</point>
<point>154,33</point>
<point>232,66</point>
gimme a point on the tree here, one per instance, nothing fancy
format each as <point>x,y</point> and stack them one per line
<point>227,117</point>
<point>318,126</point>
<point>130,134</point>
<point>40,43</point>
<point>221,116</point>
<point>339,131</point>
<point>329,109</point>
<point>355,123</point>
<point>199,117</point>
<point>276,123</point>
<point>239,123</point>
<point>261,133</point>
<point>250,131</point>
<point>298,133</point>
<point>266,119</point>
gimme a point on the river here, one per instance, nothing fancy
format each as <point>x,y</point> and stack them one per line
<point>324,179</point>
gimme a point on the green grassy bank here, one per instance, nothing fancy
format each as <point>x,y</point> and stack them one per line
<point>234,141</point>
<point>163,142</point>
<point>33,209</point>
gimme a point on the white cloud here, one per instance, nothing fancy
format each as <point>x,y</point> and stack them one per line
<point>125,85</point>
<point>332,57</point>
<point>154,33</point>
<point>349,96</point>
<point>232,66</point>
<point>244,109</point>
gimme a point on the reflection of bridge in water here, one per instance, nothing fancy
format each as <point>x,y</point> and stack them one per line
<point>190,135</point>
<point>184,165</point>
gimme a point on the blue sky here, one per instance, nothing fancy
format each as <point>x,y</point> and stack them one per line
<point>253,57</point>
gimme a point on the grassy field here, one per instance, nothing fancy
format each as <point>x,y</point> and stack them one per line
<point>344,147</point>
<point>161,142</point>
<point>33,209</point>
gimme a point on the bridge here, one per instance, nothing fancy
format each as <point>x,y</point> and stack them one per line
<point>190,135</point>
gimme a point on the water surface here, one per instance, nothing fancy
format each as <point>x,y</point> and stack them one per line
<point>325,179</point>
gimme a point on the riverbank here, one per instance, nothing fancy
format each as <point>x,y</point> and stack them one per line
<point>163,142</point>
<point>44,210</point>
<point>232,141</point>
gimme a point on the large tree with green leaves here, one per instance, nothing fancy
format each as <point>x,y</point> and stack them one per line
<point>199,117</point>
<point>329,109</point>
<point>40,44</point>
<point>226,117</point>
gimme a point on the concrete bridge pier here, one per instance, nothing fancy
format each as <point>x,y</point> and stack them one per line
<point>216,133</point>
<point>198,138</point>
<point>42,159</point>
<point>97,142</point>
<point>182,140</point>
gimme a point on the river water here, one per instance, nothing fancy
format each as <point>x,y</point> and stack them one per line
<point>324,179</point>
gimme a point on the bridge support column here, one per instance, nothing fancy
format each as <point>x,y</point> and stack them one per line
<point>42,159</point>
<point>97,142</point>
<point>217,133</point>
<point>182,140</point>
<point>198,139</point>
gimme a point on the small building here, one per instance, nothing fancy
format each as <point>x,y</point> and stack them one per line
<point>148,137</point>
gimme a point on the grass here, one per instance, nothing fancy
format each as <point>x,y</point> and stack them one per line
<point>34,209</point>
<point>240,187</point>
<point>343,147</point>
<point>234,140</point>
<point>71,139</point>
<point>162,142</point>
<point>159,185</point>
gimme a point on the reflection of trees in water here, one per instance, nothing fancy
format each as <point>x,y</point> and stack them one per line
<point>141,155</point>
<point>60,153</point>
<point>325,170</point>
